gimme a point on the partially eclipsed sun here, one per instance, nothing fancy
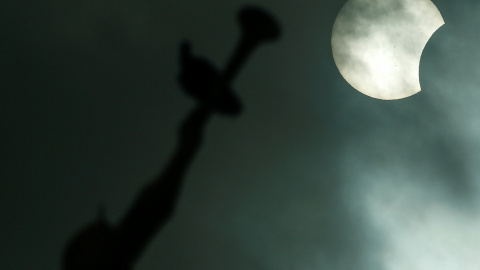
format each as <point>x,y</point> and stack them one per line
<point>377,44</point>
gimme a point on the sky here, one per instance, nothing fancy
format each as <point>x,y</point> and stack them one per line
<point>312,175</point>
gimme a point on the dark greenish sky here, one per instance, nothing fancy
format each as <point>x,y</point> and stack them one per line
<point>314,175</point>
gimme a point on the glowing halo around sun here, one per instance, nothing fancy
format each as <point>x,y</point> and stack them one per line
<point>377,44</point>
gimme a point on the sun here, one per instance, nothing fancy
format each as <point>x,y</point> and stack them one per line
<point>377,44</point>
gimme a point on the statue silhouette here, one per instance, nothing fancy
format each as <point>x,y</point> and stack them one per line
<point>102,246</point>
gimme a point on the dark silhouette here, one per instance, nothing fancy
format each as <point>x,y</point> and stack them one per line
<point>102,246</point>
<point>197,78</point>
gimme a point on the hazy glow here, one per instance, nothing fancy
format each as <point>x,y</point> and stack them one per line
<point>377,44</point>
<point>422,230</point>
